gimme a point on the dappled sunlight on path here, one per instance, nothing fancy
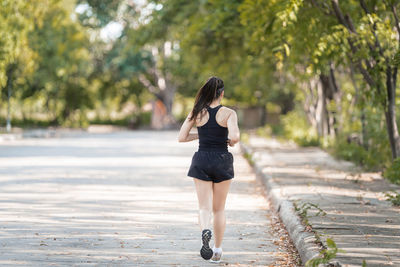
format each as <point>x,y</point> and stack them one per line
<point>119,198</point>
<point>358,218</point>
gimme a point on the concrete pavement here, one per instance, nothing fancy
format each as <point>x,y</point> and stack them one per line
<point>358,218</point>
<point>120,199</point>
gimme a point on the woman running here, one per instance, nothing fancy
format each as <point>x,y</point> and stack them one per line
<point>212,164</point>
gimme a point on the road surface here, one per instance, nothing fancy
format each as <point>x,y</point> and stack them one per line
<point>121,199</point>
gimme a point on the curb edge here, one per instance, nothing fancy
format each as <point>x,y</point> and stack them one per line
<point>304,241</point>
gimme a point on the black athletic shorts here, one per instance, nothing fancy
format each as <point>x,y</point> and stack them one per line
<point>214,166</point>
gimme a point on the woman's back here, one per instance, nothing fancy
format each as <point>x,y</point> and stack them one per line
<point>212,135</point>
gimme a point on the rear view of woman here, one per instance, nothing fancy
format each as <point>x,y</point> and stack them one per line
<point>212,165</point>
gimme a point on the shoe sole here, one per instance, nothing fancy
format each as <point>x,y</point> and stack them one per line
<point>216,261</point>
<point>205,251</point>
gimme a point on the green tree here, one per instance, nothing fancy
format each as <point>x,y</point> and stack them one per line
<point>313,40</point>
<point>63,62</point>
<point>16,19</point>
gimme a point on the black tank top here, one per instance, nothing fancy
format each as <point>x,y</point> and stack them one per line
<point>212,136</point>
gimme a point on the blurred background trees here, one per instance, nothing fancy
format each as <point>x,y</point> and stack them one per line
<point>322,72</point>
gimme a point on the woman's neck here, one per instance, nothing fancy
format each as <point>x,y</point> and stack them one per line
<point>215,103</point>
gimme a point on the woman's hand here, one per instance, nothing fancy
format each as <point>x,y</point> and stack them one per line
<point>230,143</point>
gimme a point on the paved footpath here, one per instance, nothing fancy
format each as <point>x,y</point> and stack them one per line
<point>120,199</point>
<point>358,218</point>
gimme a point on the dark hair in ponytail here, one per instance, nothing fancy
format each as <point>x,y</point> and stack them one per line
<point>211,90</point>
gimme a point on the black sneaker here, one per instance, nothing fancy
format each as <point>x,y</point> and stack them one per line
<point>205,251</point>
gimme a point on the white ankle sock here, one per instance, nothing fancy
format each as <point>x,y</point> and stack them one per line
<point>218,250</point>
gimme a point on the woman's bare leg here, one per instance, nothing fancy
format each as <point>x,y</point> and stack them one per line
<point>204,191</point>
<point>220,192</point>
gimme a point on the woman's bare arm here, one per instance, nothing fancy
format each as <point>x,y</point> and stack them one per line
<point>184,133</point>
<point>233,129</point>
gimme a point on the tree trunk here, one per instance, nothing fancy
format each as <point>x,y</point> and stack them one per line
<point>321,114</point>
<point>390,113</point>
<point>309,103</point>
<point>9,73</point>
<point>168,95</point>
<point>390,105</point>
<point>331,92</point>
<point>337,98</point>
<point>364,133</point>
<point>164,91</point>
<point>314,105</point>
<point>162,117</point>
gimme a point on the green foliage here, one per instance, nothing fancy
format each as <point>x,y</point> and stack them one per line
<point>303,211</point>
<point>118,122</point>
<point>271,53</point>
<point>76,119</point>
<point>249,158</point>
<point>62,64</point>
<point>292,126</point>
<point>50,61</point>
<point>28,123</point>
<point>244,137</point>
<point>137,120</point>
<point>98,13</point>
<point>277,129</point>
<point>265,131</point>
<point>355,153</point>
<point>326,254</point>
<point>143,118</point>
<point>361,146</point>
<point>393,171</point>
<point>269,130</point>
<point>296,128</point>
<point>14,24</point>
<point>393,197</point>
<point>306,38</point>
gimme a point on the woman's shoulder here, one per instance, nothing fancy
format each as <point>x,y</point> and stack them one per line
<point>227,110</point>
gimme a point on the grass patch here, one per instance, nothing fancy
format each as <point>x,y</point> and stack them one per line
<point>392,173</point>
<point>355,153</point>
<point>293,126</point>
<point>244,137</point>
<point>30,123</point>
<point>326,255</point>
<point>302,211</point>
<point>393,197</point>
<point>78,121</point>
<point>249,158</point>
